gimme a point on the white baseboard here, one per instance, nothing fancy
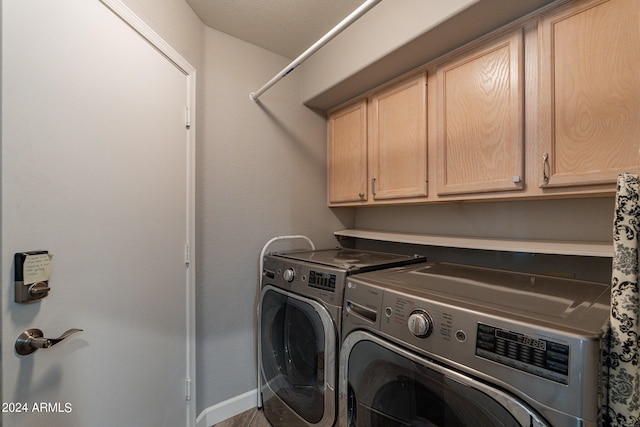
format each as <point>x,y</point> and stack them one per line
<point>227,409</point>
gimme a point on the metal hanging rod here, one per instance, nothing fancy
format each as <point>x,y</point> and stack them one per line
<point>364,8</point>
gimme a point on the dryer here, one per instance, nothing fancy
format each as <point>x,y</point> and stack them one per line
<point>299,336</point>
<point>449,345</point>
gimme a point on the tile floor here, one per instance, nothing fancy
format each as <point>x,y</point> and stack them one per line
<point>251,418</point>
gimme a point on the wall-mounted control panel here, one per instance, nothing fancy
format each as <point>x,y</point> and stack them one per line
<point>31,278</point>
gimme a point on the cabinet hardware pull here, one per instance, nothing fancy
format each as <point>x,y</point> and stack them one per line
<point>545,168</point>
<point>361,194</point>
<point>373,186</point>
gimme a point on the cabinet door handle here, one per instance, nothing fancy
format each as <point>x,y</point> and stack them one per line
<point>545,168</point>
<point>373,186</point>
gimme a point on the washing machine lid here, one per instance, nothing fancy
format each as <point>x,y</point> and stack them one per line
<point>566,303</point>
<point>352,260</point>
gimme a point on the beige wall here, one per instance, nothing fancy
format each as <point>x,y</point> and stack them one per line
<point>262,174</point>
<point>570,219</point>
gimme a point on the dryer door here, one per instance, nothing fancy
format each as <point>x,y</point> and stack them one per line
<point>385,385</point>
<point>297,351</point>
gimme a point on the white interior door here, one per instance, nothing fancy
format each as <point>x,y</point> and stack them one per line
<point>95,169</point>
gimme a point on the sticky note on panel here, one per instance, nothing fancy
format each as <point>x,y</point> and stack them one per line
<point>37,268</point>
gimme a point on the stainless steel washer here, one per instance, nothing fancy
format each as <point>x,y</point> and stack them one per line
<point>299,330</point>
<point>441,344</point>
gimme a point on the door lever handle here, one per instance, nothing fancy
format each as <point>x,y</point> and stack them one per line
<point>33,339</point>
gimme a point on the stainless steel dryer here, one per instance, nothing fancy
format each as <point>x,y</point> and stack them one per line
<point>299,330</point>
<point>449,345</point>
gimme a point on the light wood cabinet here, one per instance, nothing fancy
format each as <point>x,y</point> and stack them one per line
<point>546,107</point>
<point>398,140</point>
<point>377,147</point>
<point>480,123</point>
<point>347,154</point>
<point>589,93</point>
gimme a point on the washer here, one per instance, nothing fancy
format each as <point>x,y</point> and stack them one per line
<point>300,313</point>
<point>440,344</point>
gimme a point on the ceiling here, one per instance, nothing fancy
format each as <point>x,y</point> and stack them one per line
<point>286,27</point>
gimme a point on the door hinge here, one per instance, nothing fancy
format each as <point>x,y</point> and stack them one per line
<point>187,254</point>
<point>188,389</point>
<point>188,117</point>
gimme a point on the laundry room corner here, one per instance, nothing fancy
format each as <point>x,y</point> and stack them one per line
<point>263,174</point>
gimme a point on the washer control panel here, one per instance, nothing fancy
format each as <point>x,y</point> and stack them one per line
<point>409,318</point>
<point>546,359</point>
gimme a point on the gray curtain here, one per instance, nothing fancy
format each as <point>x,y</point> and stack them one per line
<point>620,381</point>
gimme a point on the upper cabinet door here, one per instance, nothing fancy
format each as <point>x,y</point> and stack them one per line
<point>347,154</point>
<point>589,93</point>
<point>398,140</point>
<point>480,129</point>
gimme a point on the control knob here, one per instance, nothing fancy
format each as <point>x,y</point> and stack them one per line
<point>420,324</point>
<point>289,274</point>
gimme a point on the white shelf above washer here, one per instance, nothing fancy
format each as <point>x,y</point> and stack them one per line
<point>557,247</point>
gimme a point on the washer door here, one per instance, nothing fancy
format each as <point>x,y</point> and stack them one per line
<point>297,354</point>
<point>385,385</point>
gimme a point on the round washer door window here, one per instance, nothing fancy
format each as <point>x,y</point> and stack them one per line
<point>388,389</point>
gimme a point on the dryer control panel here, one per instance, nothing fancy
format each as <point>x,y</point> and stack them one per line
<point>322,280</point>
<point>306,279</point>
